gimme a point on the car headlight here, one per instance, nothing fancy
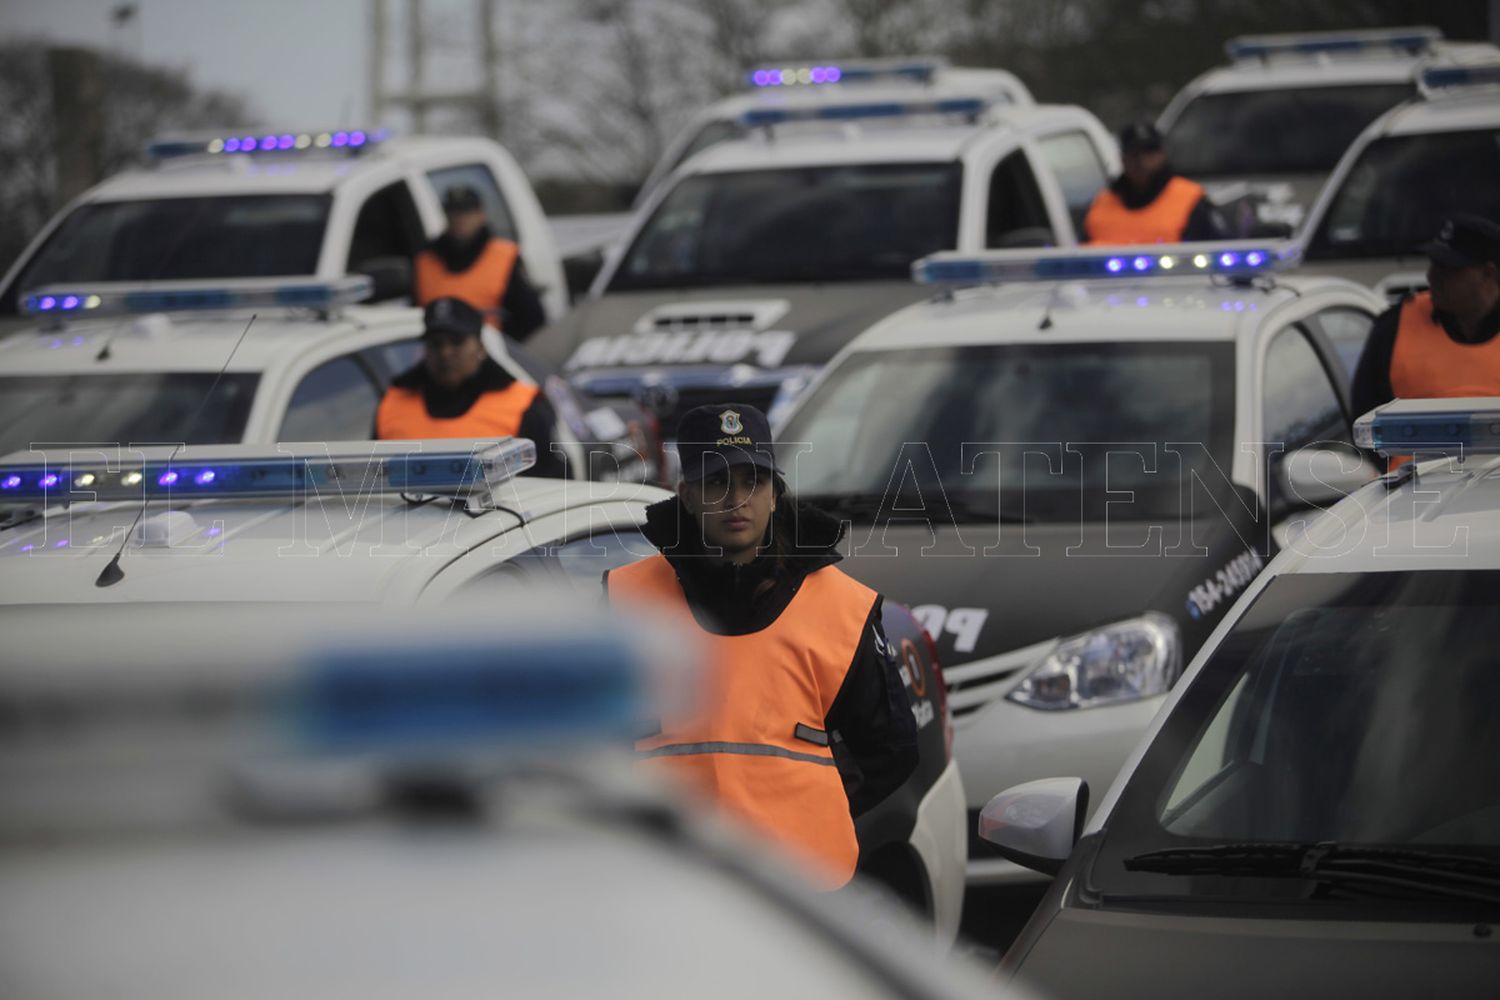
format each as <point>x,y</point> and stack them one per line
<point>1128,660</point>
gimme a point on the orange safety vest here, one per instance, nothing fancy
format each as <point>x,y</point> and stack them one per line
<point>755,745</point>
<point>403,415</point>
<point>481,286</point>
<point>1164,220</point>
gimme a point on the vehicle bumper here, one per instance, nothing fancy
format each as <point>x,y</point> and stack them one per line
<point>940,837</point>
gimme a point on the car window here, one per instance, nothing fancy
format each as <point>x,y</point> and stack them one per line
<point>1347,329</point>
<point>1080,173</point>
<point>1017,216</point>
<point>335,401</point>
<point>396,357</point>
<point>481,179</point>
<point>387,226</point>
<point>1299,403</point>
<point>710,134</point>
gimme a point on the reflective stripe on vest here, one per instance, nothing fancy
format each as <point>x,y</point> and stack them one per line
<point>1426,363</point>
<point>481,286</point>
<point>755,745</point>
<point>1164,220</point>
<point>403,415</point>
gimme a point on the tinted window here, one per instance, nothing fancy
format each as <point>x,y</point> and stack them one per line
<point>1016,215</point>
<point>139,408</point>
<point>1299,403</point>
<point>397,357</point>
<point>335,401</point>
<point>478,177</point>
<point>388,226</point>
<point>1347,330</point>
<point>221,237</point>
<point>1301,130</point>
<point>840,223</point>
<point>1080,173</point>
<point>1402,188</point>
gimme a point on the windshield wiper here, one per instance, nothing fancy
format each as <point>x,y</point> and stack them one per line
<point>1410,869</point>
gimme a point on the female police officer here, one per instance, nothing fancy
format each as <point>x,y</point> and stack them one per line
<point>805,721</point>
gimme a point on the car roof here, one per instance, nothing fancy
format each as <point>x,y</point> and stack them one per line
<point>1288,71</point>
<point>1442,113</point>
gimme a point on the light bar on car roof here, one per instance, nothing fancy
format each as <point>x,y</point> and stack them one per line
<point>286,470</point>
<point>1145,261</point>
<point>1438,80</point>
<point>128,298</point>
<point>844,71</point>
<point>1432,427</point>
<point>1410,40</point>
<point>969,106</point>
<point>345,140</point>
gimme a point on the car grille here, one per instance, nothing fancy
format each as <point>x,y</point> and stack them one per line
<point>971,686</point>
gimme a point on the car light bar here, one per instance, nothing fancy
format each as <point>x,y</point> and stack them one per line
<point>1413,41</point>
<point>1438,80</point>
<point>128,298</point>
<point>846,71</point>
<point>1431,426</point>
<point>759,117</point>
<point>287,470</point>
<point>345,140</point>
<point>1164,260</point>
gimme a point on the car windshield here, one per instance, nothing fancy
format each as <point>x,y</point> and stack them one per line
<point>838,223</point>
<point>1401,189</point>
<point>143,408</point>
<point>243,236</point>
<point>1001,431</point>
<point>1300,130</point>
<point>1355,708</point>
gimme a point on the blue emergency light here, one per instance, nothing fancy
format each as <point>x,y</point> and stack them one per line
<point>1064,264</point>
<point>342,140</point>
<point>965,106</point>
<point>1437,80</point>
<point>1431,427</point>
<point>129,298</point>
<point>439,467</point>
<point>846,71</point>
<point>1412,41</point>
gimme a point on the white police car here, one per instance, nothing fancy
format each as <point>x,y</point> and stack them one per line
<point>765,255</point>
<point>1317,806</point>
<point>1069,471</point>
<point>256,801</point>
<point>1416,165</point>
<point>314,205</point>
<point>181,361</point>
<point>1273,123</point>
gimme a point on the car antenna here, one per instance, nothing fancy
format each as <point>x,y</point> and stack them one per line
<point>112,574</point>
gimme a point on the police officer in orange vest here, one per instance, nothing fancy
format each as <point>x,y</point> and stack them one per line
<point>458,391</point>
<point>469,263</point>
<point>1444,342</point>
<point>805,722</point>
<point>1148,203</point>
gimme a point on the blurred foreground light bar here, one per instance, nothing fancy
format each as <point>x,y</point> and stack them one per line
<point>444,467</point>
<point>1437,81</point>
<point>344,140</point>
<point>845,71</point>
<point>1413,41</point>
<point>129,298</point>
<point>1431,427</point>
<point>1132,262</point>
<point>760,117</point>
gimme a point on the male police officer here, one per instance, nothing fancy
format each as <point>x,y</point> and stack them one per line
<point>1444,342</point>
<point>458,391</point>
<point>1148,203</point>
<point>805,721</point>
<point>469,263</point>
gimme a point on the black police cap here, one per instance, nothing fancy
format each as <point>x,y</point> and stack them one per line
<point>452,316</point>
<point>461,198</point>
<point>713,438</point>
<point>1465,241</point>
<point>1140,136</point>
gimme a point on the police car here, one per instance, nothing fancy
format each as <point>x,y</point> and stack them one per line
<point>182,361</point>
<point>269,801</point>
<point>399,523</point>
<point>765,255</point>
<point>1070,469</point>
<point>1317,807</point>
<point>1270,126</point>
<point>316,205</point>
<point>1416,165</point>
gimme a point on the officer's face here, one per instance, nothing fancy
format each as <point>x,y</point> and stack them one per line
<point>734,507</point>
<point>1142,165</point>
<point>452,359</point>
<point>463,225</point>
<point>1466,292</point>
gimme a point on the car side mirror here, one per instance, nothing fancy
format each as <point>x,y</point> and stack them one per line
<point>1036,824</point>
<point>1315,476</point>
<point>390,276</point>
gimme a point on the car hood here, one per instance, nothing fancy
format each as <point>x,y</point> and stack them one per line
<point>768,326</point>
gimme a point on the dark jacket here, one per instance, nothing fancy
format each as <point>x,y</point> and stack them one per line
<point>874,735</point>
<point>1372,378</point>
<point>521,310</point>
<point>1205,222</point>
<point>537,422</point>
